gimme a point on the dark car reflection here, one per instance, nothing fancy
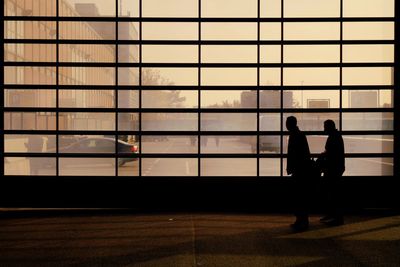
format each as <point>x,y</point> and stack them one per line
<point>102,145</point>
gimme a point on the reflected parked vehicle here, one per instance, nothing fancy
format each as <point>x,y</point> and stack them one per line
<point>100,145</point>
<point>269,142</point>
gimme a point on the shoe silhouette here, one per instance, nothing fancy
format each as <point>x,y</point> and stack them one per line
<point>299,226</point>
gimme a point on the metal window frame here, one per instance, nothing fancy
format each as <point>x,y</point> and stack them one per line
<point>199,65</point>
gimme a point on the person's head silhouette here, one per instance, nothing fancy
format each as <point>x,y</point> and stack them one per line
<point>291,123</point>
<point>329,126</point>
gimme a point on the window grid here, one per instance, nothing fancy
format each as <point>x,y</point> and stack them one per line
<point>199,110</point>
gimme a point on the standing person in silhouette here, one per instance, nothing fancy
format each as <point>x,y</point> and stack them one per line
<point>34,145</point>
<point>298,165</point>
<point>333,169</point>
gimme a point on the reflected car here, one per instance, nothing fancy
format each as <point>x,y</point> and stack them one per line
<point>103,145</point>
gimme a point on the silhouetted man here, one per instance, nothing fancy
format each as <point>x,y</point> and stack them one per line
<point>298,165</point>
<point>333,169</point>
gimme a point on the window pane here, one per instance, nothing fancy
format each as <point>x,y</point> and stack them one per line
<point>270,8</point>
<point>369,167</point>
<point>228,8</point>
<point>368,53</point>
<point>270,31</point>
<point>82,121</point>
<point>312,121</point>
<point>228,31</point>
<point>29,143</point>
<point>169,167</point>
<point>353,121</point>
<point>29,166</point>
<point>128,8</point>
<point>311,53</point>
<point>311,76</point>
<point>128,99</point>
<point>228,167</point>
<point>368,143</point>
<point>168,144</point>
<point>229,54</point>
<point>95,8</point>
<point>128,121</point>
<point>270,76</point>
<point>87,166</point>
<point>29,121</point>
<point>311,31</point>
<point>227,144</point>
<point>368,8</point>
<point>170,8</point>
<point>128,76</point>
<point>86,53</point>
<point>96,144</point>
<point>169,99</point>
<point>29,75</point>
<point>30,98</point>
<point>228,121</point>
<point>367,98</point>
<point>169,76</point>
<point>128,53</point>
<point>228,99</point>
<point>30,8</point>
<point>128,30</point>
<point>128,167</point>
<point>30,29</point>
<point>229,76</point>
<point>87,30</point>
<point>368,30</point>
<point>86,98</point>
<point>311,8</point>
<point>311,99</point>
<point>86,76</point>
<point>368,76</point>
<point>272,98</point>
<point>269,144</point>
<point>270,54</point>
<point>30,52</point>
<point>270,167</point>
<point>270,121</point>
<point>169,121</point>
<point>170,31</point>
<point>170,53</point>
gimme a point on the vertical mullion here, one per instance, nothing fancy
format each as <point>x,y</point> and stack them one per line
<point>341,67</point>
<point>140,89</point>
<point>57,85</point>
<point>258,90</point>
<point>2,100</point>
<point>281,92</point>
<point>396,96</point>
<point>116,86</point>
<point>199,93</point>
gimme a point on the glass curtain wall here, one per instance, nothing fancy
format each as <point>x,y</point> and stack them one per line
<point>194,87</point>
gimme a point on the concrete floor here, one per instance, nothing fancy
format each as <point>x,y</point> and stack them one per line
<point>196,240</point>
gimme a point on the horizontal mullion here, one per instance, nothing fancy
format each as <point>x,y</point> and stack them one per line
<point>195,19</point>
<point>196,65</point>
<point>186,133</point>
<point>200,42</point>
<point>189,87</point>
<point>183,155</point>
<point>184,179</point>
<point>196,110</point>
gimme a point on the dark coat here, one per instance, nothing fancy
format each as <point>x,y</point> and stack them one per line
<point>334,154</point>
<point>298,158</point>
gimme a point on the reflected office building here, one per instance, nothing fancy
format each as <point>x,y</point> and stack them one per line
<point>101,88</point>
